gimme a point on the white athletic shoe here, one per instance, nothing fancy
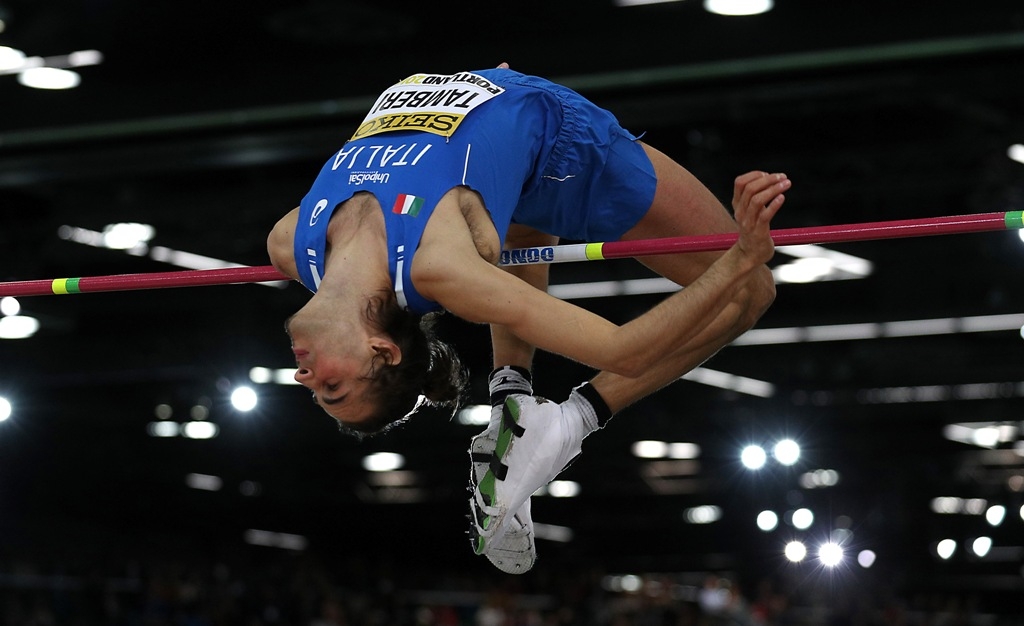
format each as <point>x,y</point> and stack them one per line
<point>536,440</point>
<point>513,550</point>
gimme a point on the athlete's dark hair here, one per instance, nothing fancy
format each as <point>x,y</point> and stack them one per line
<point>428,367</point>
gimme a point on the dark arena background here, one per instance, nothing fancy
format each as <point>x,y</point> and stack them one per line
<point>158,468</point>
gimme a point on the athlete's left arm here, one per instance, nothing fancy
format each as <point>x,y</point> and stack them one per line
<point>453,274</point>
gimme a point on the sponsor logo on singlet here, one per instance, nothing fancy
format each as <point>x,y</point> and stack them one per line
<point>432,103</point>
<point>358,178</point>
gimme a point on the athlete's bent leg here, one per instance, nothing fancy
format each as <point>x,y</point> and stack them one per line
<point>683,206</point>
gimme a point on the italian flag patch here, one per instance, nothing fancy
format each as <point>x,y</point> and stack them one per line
<point>407,205</point>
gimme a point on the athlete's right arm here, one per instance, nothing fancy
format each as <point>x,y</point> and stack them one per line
<point>280,244</point>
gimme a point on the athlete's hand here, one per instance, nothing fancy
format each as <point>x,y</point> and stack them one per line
<point>757,197</point>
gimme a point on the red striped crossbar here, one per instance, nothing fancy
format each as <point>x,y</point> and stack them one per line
<point>895,229</point>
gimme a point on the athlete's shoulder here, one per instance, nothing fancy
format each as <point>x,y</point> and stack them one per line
<point>280,244</point>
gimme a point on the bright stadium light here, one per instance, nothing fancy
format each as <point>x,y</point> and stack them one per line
<point>945,549</point>
<point>981,546</point>
<point>795,551</point>
<point>753,457</point>
<point>803,518</point>
<point>244,399</point>
<point>786,452</point>
<point>199,430</point>
<point>995,514</point>
<point>830,554</point>
<point>383,461</point>
<point>866,558</point>
<point>767,521</point>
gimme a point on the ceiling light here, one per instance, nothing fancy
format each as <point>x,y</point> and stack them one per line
<point>5,409</point>
<point>795,551</point>
<point>474,415</point>
<point>49,78</point>
<point>738,7</point>
<point>803,271</point>
<point>84,57</point>
<point>9,306</point>
<point>683,450</point>
<point>260,375</point>
<point>199,430</point>
<point>650,449</point>
<point>47,72</point>
<point>866,558</point>
<point>280,376</point>
<point>830,554</point>
<point>1016,152</point>
<point>981,546</point>
<point>18,326</point>
<point>819,478</point>
<point>986,437</point>
<point>706,514</point>
<point>803,518</point>
<point>163,429</point>
<point>982,434</point>
<point>995,514</point>
<point>753,457</point>
<point>563,489</point>
<point>11,58</point>
<point>873,330</point>
<point>383,461</point>
<point>731,382</point>
<point>126,235</point>
<point>284,376</point>
<point>244,399</point>
<point>948,505</point>
<point>767,520</point>
<point>786,452</point>
<point>81,235</point>
<point>945,549</point>
<point>975,506</point>
<point>204,482</point>
<point>840,266</point>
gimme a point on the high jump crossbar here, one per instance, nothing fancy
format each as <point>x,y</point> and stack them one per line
<point>866,231</point>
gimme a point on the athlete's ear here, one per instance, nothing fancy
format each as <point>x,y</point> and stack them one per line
<point>387,350</point>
